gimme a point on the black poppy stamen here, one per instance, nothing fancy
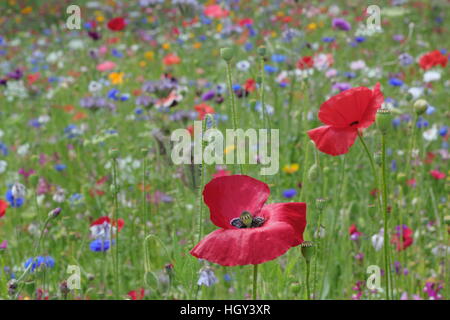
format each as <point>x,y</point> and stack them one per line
<point>354,123</point>
<point>246,220</point>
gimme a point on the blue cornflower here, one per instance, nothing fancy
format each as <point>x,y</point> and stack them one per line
<point>13,202</point>
<point>3,149</point>
<point>278,58</point>
<point>116,53</point>
<point>60,167</point>
<point>443,131</point>
<point>289,193</point>
<point>38,262</point>
<point>328,39</point>
<point>421,123</point>
<point>100,245</point>
<point>395,82</point>
<point>248,46</point>
<point>360,39</point>
<point>430,110</point>
<point>270,69</point>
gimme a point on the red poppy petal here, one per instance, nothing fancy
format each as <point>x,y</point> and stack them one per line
<point>228,196</point>
<point>282,230</point>
<point>345,108</point>
<point>371,111</point>
<point>3,207</point>
<point>333,141</point>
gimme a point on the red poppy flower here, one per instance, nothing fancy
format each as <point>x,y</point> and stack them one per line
<point>3,207</point>
<point>203,109</point>
<point>137,294</point>
<point>106,220</point>
<point>305,63</point>
<point>215,11</point>
<point>250,85</point>
<point>116,24</point>
<point>432,59</point>
<point>343,115</point>
<point>402,238</point>
<point>437,174</point>
<point>252,232</point>
<point>171,59</point>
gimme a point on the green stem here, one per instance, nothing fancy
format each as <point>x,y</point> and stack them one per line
<point>385,211</point>
<point>261,91</point>
<point>255,281</point>
<point>374,170</point>
<point>233,104</point>
<point>116,219</point>
<point>308,291</point>
<point>200,188</point>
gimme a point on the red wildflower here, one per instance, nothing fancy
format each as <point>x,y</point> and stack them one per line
<point>432,59</point>
<point>437,174</point>
<point>137,294</point>
<point>171,59</point>
<point>250,85</point>
<point>203,109</point>
<point>251,232</point>
<point>215,11</point>
<point>305,62</point>
<point>3,207</point>
<point>116,24</point>
<point>402,238</point>
<point>102,220</point>
<point>343,115</point>
<point>245,22</point>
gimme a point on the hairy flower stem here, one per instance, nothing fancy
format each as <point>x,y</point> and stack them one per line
<point>385,211</point>
<point>233,103</point>
<point>200,189</point>
<point>255,281</point>
<point>308,290</point>
<point>116,221</point>
<point>374,170</point>
<point>261,92</point>
<point>144,200</point>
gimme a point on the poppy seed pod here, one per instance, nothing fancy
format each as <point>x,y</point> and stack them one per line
<point>307,250</point>
<point>383,120</point>
<point>420,106</point>
<point>226,54</point>
<point>262,51</point>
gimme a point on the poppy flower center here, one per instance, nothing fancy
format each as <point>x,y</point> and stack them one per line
<point>354,123</point>
<point>246,220</point>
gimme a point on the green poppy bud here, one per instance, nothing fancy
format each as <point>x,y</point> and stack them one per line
<point>246,218</point>
<point>295,287</point>
<point>420,106</point>
<point>226,54</point>
<point>384,120</point>
<point>114,153</point>
<point>321,203</point>
<point>313,172</point>
<point>377,157</point>
<point>307,250</point>
<point>262,51</point>
<point>144,151</point>
<point>401,177</point>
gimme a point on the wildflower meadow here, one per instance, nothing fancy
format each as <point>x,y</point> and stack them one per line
<point>224,150</point>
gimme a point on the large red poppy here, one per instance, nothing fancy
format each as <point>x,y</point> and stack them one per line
<point>116,24</point>
<point>343,115</point>
<point>3,207</point>
<point>402,238</point>
<point>275,228</point>
<point>432,59</point>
